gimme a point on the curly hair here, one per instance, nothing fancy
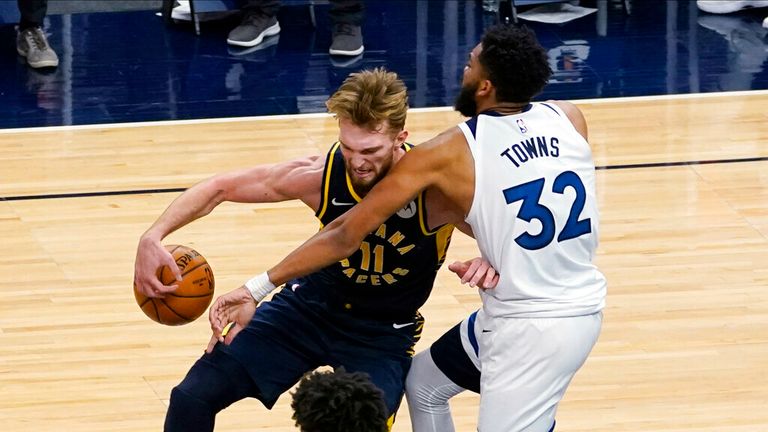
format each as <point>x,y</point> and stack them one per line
<point>369,98</point>
<point>515,62</point>
<point>339,401</point>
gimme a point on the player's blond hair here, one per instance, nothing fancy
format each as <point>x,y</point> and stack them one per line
<point>370,98</point>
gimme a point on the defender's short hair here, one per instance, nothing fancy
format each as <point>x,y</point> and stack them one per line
<point>515,62</point>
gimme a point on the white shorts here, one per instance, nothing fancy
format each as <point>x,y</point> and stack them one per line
<point>526,366</point>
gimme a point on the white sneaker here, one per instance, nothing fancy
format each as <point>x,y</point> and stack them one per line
<point>182,12</point>
<point>33,45</point>
<point>728,6</point>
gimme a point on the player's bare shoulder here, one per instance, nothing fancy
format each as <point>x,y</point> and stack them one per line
<point>574,115</point>
<point>444,147</point>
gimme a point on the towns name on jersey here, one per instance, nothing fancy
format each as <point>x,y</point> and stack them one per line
<point>532,148</point>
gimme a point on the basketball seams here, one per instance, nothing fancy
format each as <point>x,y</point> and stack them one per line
<point>146,299</point>
<point>157,312</point>
<point>189,296</point>
<point>186,319</point>
<point>180,307</point>
<point>204,263</point>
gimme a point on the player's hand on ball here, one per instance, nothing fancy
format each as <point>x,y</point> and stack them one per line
<point>150,257</point>
<point>236,306</point>
<point>477,272</point>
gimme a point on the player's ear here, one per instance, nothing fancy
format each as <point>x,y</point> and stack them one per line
<point>401,137</point>
<point>485,88</point>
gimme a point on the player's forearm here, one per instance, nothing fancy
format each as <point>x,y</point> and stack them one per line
<point>194,203</point>
<point>328,246</point>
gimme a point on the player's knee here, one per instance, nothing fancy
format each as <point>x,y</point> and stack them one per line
<point>421,392</point>
<point>201,387</point>
<point>183,400</point>
<point>211,386</point>
<point>426,398</point>
<point>188,413</point>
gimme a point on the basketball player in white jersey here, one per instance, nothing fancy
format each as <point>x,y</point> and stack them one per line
<point>521,174</point>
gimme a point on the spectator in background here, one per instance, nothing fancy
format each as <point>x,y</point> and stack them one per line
<point>339,401</point>
<point>31,42</point>
<point>260,21</point>
<point>730,6</point>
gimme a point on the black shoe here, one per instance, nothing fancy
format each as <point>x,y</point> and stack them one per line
<point>252,30</point>
<point>268,42</point>
<point>345,62</point>
<point>347,40</point>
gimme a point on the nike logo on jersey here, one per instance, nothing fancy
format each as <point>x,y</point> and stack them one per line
<point>399,326</point>
<point>486,331</point>
<point>340,203</point>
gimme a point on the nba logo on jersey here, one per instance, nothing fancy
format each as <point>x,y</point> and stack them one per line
<point>521,125</point>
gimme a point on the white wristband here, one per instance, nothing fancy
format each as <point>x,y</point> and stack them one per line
<point>260,286</point>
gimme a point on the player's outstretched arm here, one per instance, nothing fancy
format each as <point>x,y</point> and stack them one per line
<point>427,165</point>
<point>297,179</point>
<point>437,163</point>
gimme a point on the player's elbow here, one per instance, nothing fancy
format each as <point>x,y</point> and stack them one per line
<point>219,189</point>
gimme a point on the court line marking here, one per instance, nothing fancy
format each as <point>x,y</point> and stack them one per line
<point>682,163</point>
<point>178,190</point>
<point>746,93</point>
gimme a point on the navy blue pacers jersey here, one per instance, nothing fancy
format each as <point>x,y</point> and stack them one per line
<point>391,275</point>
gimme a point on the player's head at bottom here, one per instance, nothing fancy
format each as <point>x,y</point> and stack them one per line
<point>339,401</point>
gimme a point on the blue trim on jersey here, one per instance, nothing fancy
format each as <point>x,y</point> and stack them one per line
<point>553,426</point>
<point>546,105</point>
<point>472,125</point>
<point>494,113</point>
<point>471,333</point>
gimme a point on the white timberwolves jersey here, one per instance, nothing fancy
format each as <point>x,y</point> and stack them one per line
<point>534,213</point>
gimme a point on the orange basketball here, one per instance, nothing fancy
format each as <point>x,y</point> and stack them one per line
<point>193,296</point>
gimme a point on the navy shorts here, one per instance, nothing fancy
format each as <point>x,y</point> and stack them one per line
<point>450,357</point>
<point>297,331</point>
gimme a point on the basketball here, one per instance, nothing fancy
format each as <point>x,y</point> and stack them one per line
<point>193,296</point>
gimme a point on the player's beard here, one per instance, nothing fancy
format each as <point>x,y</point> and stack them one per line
<point>465,102</point>
<point>363,186</point>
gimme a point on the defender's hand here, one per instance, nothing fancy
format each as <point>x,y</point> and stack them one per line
<point>236,306</point>
<point>477,272</point>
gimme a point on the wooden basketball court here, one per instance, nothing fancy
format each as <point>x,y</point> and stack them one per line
<point>683,190</point>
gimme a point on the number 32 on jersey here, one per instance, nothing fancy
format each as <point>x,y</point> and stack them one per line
<point>531,208</point>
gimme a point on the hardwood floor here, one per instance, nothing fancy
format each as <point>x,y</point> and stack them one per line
<point>684,246</point>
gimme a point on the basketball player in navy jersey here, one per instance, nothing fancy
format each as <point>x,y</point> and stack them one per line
<point>359,312</point>
<point>521,175</point>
